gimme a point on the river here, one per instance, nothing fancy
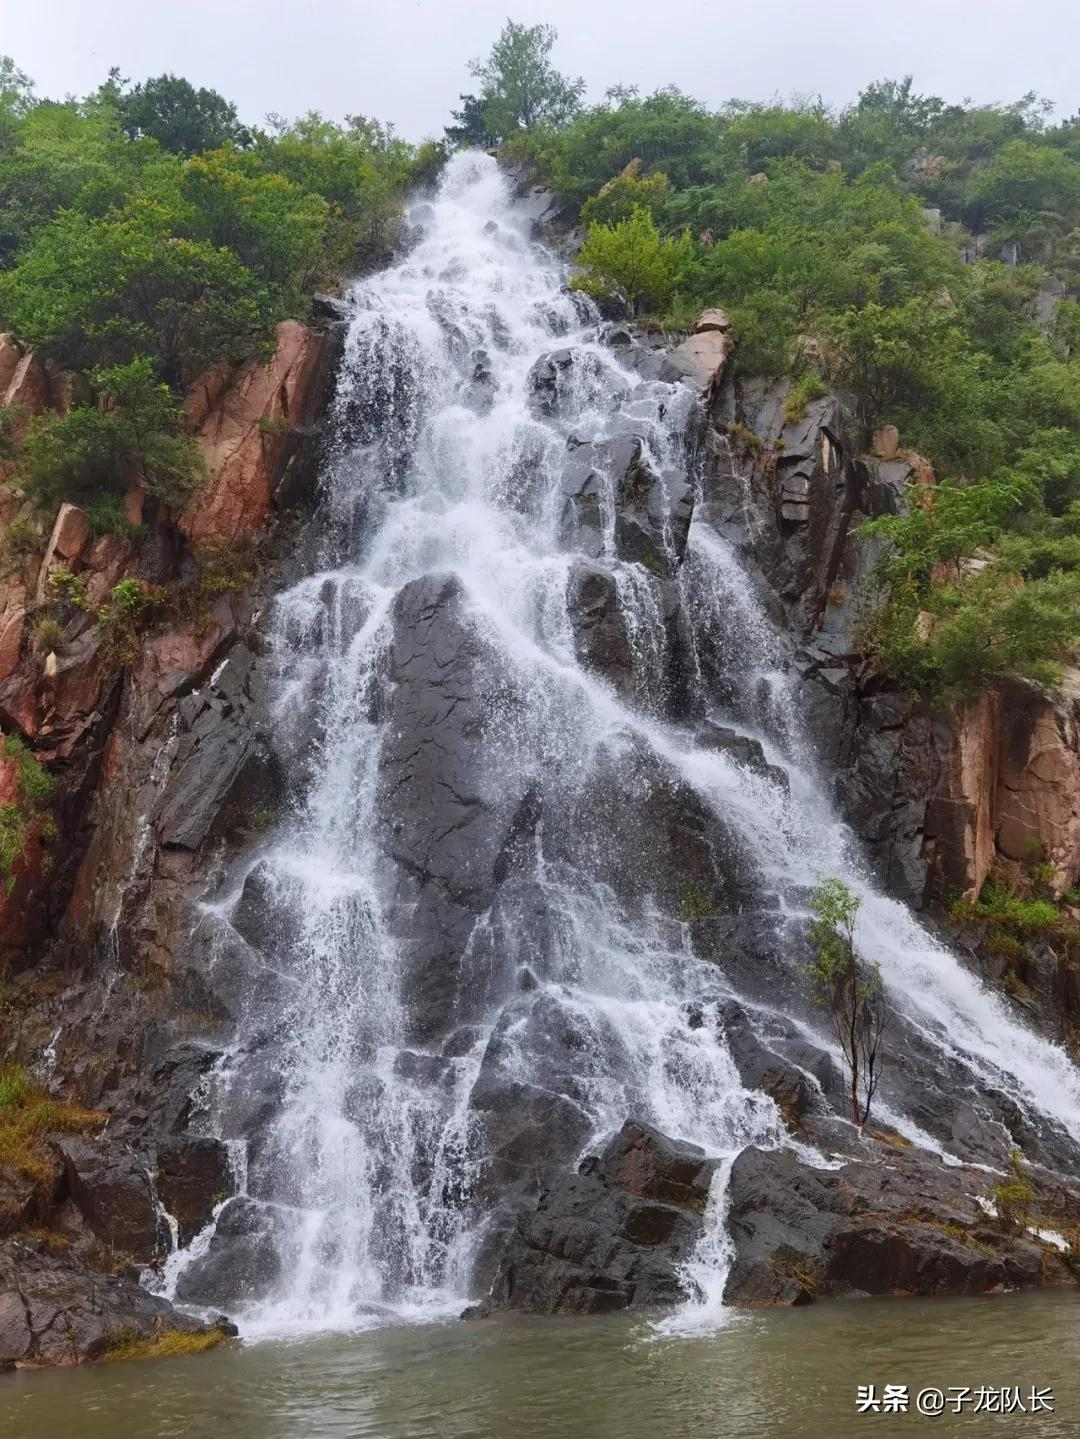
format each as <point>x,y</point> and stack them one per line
<point>775,1373</point>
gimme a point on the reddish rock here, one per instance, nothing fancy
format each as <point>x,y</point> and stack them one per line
<point>28,388</point>
<point>67,388</point>
<point>204,394</point>
<point>10,355</point>
<point>961,816</point>
<point>244,435</point>
<point>133,505</point>
<point>1037,794</point>
<point>886,442</point>
<point>70,536</point>
<point>106,562</point>
<point>172,661</point>
<point>11,631</point>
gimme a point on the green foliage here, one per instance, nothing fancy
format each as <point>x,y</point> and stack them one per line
<point>620,197</point>
<point>1014,1197</point>
<point>848,987</point>
<point>103,292</point>
<point>808,386</point>
<point>996,903</point>
<point>146,221</point>
<point>633,257</point>
<point>35,787</point>
<point>35,783</point>
<point>470,129</point>
<point>48,634</point>
<point>520,89</point>
<point>14,833</point>
<point>134,434</point>
<point>697,903</point>
<point>180,118</point>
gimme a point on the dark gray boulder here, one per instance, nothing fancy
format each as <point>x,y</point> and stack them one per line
<point>193,1175</point>
<point>112,1189</point>
<point>896,1222</point>
<point>601,637</point>
<point>243,1259</point>
<point>613,1235</point>
<point>54,1311</point>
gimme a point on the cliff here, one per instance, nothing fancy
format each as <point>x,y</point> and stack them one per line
<point>119,1000</point>
<point>144,732</point>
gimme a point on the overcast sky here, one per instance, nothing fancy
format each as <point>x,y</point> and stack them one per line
<point>405,60</point>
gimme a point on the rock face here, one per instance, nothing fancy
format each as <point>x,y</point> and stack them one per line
<point>56,1312</point>
<point>249,430</point>
<point>892,1224</point>
<point>611,1236</point>
<point>152,761</point>
<point>172,765</point>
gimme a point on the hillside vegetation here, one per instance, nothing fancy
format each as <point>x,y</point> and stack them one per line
<point>920,255</point>
<point>145,235</point>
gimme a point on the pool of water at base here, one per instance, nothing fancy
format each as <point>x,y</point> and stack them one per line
<point>776,1373</point>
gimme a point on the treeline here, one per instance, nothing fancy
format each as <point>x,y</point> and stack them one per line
<point>146,234</point>
<point>920,255</point>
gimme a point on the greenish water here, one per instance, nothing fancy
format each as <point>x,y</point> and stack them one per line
<point>776,1374</point>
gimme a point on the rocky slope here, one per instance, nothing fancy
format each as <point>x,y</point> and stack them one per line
<point>164,769</point>
<point>155,761</point>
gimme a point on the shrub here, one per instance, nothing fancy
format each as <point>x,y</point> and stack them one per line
<point>95,453</point>
<point>849,988</point>
<point>48,634</point>
<point>1013,1197</point>
<point>809,386</point>
<point>35,783</point>
<point>633,257</point>
<point>27,1116</point>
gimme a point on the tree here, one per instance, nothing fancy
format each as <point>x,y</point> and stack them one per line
<point>633,257</point>
<point>849,988</point>
<point>520,88</point>
<point>103,292</point>
<point>180,118</point>
<point>96,451</point>
<point>471,130</point>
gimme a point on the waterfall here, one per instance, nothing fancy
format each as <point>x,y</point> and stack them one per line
<point>413,993</point>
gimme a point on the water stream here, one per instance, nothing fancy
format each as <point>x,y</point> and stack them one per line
<point>368,1160</point>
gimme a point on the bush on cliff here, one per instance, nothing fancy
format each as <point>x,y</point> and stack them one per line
<point>849,988</point>
<point>134,434</point>
<point>633,257</point>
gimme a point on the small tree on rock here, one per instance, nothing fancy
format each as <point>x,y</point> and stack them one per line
<point>849,988</point>
<point>634,257</point>
<point>520,88</point>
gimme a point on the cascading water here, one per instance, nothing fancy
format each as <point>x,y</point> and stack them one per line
<point>360,1085</point>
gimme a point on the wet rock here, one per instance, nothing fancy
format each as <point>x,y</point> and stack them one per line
<point>651,517</point>
<point>193,1175</point>
<point>452,810</point>
<point>743,750</point>
<point>896,1223</point>
<point>483,386</point>
<point>113,1192</point>
<point>566,380</point>
<point>54,1311</point>
<point>601,640</point>
<point>242,1262</point>
<point>527,1131</point>
<point>612,1236</point>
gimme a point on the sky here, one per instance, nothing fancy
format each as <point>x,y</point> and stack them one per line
<point>405,61</point>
